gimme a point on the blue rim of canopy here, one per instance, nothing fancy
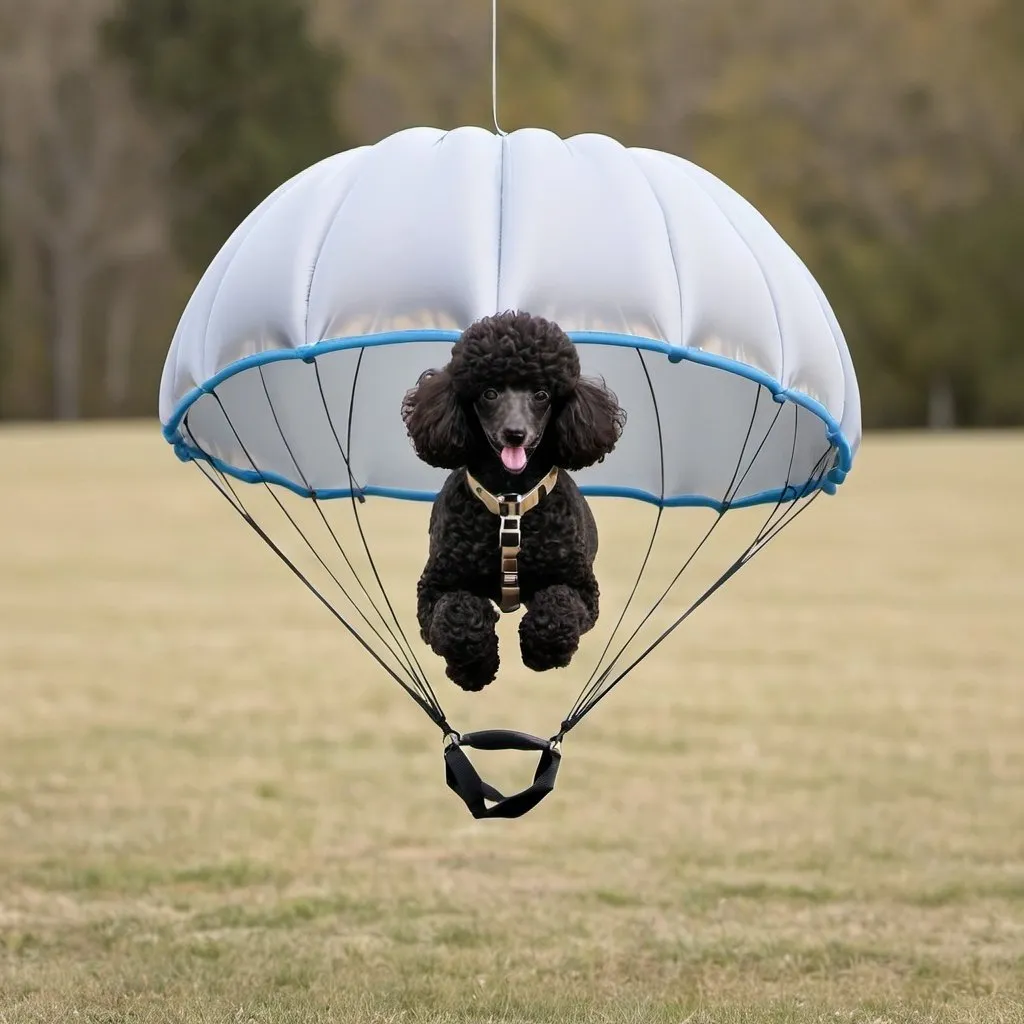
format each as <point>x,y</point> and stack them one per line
<point>827,482</point>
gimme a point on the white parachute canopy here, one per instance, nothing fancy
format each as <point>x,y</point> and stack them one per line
<point>292,357</point>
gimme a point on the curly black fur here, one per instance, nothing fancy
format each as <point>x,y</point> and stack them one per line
<point>582,423</point>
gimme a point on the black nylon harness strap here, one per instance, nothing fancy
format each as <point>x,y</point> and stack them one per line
<point>464,779</point>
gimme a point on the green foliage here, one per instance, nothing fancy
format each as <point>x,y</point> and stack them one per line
<point>936,322</point>
<point>246,94</point>
<point>3,300</point>
<point>964,291</point>
<point>884,141</point>
<point>889,177</point>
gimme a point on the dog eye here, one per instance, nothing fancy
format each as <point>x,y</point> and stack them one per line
<point>490,395</point>
<point>540,396</point>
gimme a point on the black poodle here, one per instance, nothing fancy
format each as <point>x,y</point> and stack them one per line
<point>509,414</point>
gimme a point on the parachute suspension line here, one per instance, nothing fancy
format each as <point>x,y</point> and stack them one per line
<point>593,692</point>
<point>790,510</point>
<point>597,693</point>
<point>354,487</point>
<point>312,548</point>
<point>224,488</point>
<point>414,687</point>
<point>735,484</point>
<point>407,655</point>
<point>334,431</point>
<point>595,683</point>
<point>757,545</point>
<point>399,654</point>
<point>769,529</point>
<point>239,506</point>
<point>424,683</point>
<point>654,531</point>
<point>494,67</point>
<point>794,508</point>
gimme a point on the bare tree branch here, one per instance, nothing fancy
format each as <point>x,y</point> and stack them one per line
<point>82,174</point>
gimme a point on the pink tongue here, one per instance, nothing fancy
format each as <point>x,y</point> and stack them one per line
<point>514,459</point>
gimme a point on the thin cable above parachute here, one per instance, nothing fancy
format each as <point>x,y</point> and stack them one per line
<point>494,67</point>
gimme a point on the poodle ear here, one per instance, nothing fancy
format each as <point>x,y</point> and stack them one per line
<point>588,426</point>
<point>435,421</point>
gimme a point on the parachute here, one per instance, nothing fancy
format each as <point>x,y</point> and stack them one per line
<point>288,368</point>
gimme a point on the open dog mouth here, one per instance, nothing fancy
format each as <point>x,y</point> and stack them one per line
<point>513,458</point>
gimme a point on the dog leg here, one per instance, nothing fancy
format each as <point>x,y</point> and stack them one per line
<point>462,632</point>
<point>549,632</point>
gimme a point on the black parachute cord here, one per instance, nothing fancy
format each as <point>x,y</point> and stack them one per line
<point>764,534</point>
<point>796,508</point>
<point>397,651</point>
<point>734,485</point>
<point>355,489</point>
<point>427,695</point>
<point>753,459</point>
<point>243,511</point>
<point>585,709</point>
<point>228,493</point>
<point>755,547</point>
<point>812,483</point>
<point>789,506</point>
<point>595,684</point>
<point>316,554</point>
<point>780,502</point>
<point>786,503</point>
<point>654,531</point>
<point>424,682</point>
<point>584,698</point>
<point>598,675</point>
<point>810,491</point>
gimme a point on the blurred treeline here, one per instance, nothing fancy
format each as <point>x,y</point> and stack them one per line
<point>883,138</point>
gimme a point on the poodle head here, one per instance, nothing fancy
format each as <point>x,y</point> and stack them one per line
<point>512,393</point>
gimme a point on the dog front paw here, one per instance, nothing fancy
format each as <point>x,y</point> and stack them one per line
<point>474,675</point>
<point>549,633</point>
<point>462,632</point>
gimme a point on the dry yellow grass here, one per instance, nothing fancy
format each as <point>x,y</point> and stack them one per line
<point>808,806</point>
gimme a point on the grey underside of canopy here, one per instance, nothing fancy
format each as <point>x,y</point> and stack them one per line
<point>335,425</point>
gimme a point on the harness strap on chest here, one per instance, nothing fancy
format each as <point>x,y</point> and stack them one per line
<point>510,508</point>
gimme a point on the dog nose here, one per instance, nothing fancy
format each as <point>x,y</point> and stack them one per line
<point>513,437</point>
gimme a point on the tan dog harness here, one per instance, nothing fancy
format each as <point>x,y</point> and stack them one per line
<point>510,509</point>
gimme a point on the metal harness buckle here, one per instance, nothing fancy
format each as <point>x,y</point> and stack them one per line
<point>510,540</point>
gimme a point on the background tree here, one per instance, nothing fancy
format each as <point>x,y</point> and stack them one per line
<point>4,298</point>
<point>246,97</point>
<point>80,196</point>
<point>885,141</point>
<point>865,132</point>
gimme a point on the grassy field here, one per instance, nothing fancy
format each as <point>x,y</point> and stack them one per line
<point>809,806</point>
